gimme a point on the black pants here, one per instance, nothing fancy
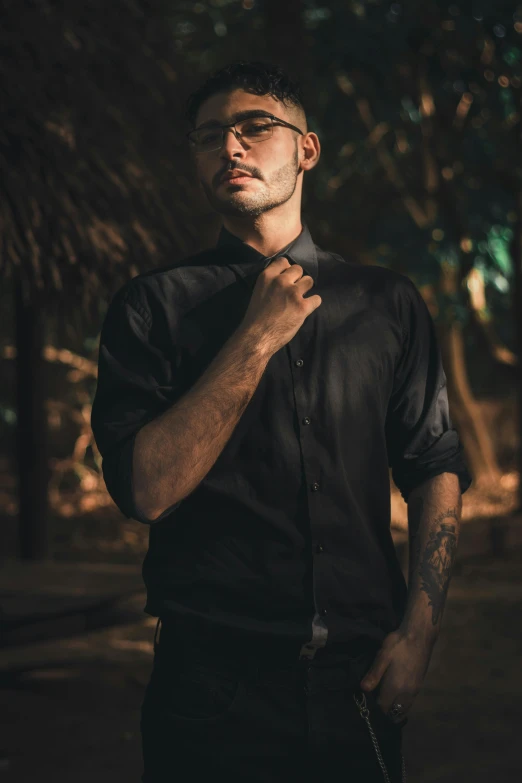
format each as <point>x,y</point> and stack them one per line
<point>211,715</point>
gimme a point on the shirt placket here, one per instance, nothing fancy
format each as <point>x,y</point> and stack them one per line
<point>311,474</point>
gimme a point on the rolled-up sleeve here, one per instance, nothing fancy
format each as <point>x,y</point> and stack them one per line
<point>134,386</point>
<point>421,440</point>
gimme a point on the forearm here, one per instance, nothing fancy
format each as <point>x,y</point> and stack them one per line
<point>175,451</point>
<point>434,512</point>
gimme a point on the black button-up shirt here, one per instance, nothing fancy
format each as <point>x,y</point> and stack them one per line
<point>288,535</point>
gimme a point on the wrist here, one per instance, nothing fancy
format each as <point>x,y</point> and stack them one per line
<point>252,340</point>
<point>419,635</point>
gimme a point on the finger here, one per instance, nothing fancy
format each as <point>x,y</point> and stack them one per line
<point>403,699</point>
<point>397,720</point>
<point>374,675</point>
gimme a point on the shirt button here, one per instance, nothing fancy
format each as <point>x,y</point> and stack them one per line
<point>323,612</point>
<point>314,487</point>
<point>319,549</point>
<point>299,363</point>
<point>306,420</point>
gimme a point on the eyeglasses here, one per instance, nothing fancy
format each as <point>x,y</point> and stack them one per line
<point>252,130</point>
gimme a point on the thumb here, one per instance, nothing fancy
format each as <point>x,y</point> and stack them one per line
<point>373,676</point>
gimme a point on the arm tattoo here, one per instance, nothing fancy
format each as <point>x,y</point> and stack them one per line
<point>437,562</point>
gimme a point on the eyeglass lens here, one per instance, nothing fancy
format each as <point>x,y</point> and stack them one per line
<point>251,130</point>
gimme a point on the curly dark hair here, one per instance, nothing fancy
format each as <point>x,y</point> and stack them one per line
<point>255,77</point>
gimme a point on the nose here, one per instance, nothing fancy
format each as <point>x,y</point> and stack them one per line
<point>231,146</point>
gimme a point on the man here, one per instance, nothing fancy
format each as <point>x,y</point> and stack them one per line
<point>250,402</point>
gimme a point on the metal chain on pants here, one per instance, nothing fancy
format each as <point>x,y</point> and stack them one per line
<point>365,715</point>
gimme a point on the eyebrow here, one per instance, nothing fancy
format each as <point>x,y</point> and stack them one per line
<point>239,115</point>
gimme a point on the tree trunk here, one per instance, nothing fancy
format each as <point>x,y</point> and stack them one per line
<point>32,466</point>
<point>516,248</point>
<point>464,410</point>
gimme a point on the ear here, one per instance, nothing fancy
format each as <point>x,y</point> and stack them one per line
<point>310,151</point>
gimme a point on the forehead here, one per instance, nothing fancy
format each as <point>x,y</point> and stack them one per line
<point>223,106</point>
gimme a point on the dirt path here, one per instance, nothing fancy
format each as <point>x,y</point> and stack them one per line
<point>76,718</point>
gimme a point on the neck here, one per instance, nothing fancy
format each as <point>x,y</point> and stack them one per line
<point>266,233</point>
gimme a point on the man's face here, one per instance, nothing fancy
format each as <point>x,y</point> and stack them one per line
<point>273,165</point>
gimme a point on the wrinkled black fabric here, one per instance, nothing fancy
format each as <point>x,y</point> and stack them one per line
<point>293,519</point>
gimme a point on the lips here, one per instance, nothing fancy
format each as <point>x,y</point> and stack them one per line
<point>231,175</point>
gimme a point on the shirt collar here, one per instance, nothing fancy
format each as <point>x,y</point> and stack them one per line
<point>300,251</point>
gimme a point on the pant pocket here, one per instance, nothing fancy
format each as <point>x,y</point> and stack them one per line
<point>192,692</point>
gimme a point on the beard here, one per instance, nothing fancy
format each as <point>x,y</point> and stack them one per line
<point>277,190</point>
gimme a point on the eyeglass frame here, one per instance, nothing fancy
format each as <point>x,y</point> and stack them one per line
<point>236,132</point>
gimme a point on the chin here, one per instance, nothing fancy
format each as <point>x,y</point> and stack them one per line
<point>239,210</point>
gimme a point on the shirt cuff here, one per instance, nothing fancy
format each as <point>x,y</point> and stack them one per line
<point>444,456</point>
